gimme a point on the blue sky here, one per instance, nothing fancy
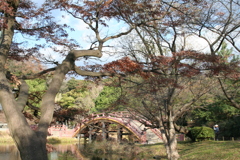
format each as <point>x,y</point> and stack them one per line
<point>83,34</point>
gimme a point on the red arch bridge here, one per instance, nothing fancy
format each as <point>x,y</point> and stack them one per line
<point>117,125</point>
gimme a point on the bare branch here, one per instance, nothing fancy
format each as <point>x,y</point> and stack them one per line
<point>32,107</point>
<point>38,74</point>
<point>231,100</point>
<point>94,74</point>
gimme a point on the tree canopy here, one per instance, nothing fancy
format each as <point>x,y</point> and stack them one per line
<point>106,101</point>
<point>156,56</point>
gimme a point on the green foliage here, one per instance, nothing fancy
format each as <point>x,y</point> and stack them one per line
<point>225,52</point>
<point>75,90</point>
<point>37,88</point>
<point>53,140</point>
<point>230,128</point>
<point>107,97</point>
<point>36,85</point>
<point>80,95</point>
<point>70,98</point>
<point>221,113</point>
<point>67,100</point>
<point>202,133</point>
<point>214,113</point>
<point>72,84</point>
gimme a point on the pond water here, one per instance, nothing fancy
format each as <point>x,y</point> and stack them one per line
<point>62,152</point>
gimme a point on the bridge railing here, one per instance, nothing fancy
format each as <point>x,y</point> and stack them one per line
<point>123,117</point>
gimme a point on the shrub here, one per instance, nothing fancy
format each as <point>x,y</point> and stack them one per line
<point>202,133</point>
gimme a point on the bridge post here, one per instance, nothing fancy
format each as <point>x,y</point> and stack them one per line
<point>104,131</point>
<point>90,135</point>
<point>131,138</point>
<point>79,137</point>
<point>119,133</point>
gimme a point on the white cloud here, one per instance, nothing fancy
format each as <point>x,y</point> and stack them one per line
<point>193,42</point>
<point>201,44</point>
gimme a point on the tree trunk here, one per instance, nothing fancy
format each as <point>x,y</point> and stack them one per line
<point>31,147</point>
<point>29,143</point>
<point>170,141</point>
<point>32,144</point>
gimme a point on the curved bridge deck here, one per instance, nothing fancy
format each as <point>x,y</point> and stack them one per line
<point>118,123</point>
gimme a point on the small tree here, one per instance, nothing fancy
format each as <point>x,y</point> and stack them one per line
<point>159,93</point>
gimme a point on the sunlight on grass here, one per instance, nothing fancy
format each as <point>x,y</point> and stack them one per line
<point>213,150</point>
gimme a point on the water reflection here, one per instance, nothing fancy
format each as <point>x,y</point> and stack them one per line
<point>9,152</point>
<point>61,152</point>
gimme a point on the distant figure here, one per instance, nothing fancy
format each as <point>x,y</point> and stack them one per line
<point>216,130</point>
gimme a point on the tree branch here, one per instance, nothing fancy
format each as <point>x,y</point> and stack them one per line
<point>94,74</point>
<point>181,129</point>
<point>38,74</point>
<point>82,53</point>
<point>32,107</point>
<point>23,95</point>
<point>231,100</point>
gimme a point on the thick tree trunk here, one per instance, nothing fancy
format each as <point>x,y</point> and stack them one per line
<point>170,141</point>
<point>31,147</point>
<point>26,140</point>
<point>32,144</point>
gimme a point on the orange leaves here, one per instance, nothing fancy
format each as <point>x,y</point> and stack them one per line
<point>15,80</point>
<point>185,64</point>
<point>5,7</point>
<point>124,65</point>
<point>194,63</point>
<point>159,61</point>
<point>194,55</point>
<point>108,2</point>
<point>220,13</point>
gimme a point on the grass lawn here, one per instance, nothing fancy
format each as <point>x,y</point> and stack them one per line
<point>205,150</point>
<point>210,150</point>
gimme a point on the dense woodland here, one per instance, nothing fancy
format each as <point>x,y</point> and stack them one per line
<point>177,65</point>
<point>83,97</point>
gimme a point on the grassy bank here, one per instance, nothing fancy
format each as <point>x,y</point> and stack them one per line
<point>6,138</point>
<point>213,150</point>
<point>205,150</point>
<point>57,140</point>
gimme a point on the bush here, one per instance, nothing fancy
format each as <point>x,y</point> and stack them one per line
<point>202,133</point>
